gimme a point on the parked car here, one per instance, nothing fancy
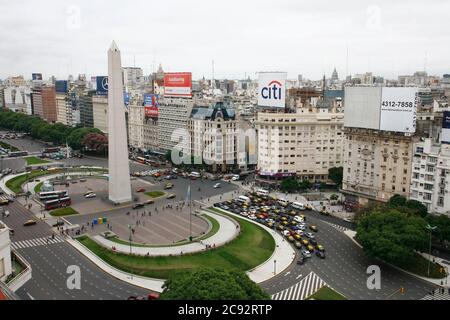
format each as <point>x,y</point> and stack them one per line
<point>90,195</point>
<point>168,186</point>
<point>306,253</point>
<point>310,235</point>
<point>298,245</point>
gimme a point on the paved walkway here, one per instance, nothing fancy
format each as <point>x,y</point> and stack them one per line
<point>228,231</point>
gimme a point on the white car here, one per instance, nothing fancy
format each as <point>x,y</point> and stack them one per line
<point>235,178</point>
<point>299,232</point>
<point>286,233</point>
<point>217,186</point>
<point>298,219</point>
<point>306,253</point>
<point>252,217</point>
<point>244,214</point>
<point>90,195</point>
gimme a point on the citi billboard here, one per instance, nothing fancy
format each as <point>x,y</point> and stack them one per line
<point>272,89</point>
<point>178,84</point>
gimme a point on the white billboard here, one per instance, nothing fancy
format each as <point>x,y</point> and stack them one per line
<point>362,107</point>
<point>272,89</point>
<point>398,109</point>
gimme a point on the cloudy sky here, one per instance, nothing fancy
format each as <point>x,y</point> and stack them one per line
<point>242,36</point>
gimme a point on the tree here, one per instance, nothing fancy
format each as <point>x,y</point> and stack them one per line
<point>289,185</point>
<point>410,207</point>
<point>397,201</point>
<point>212,284</point>
<point>304,185</point>
<point>97,142</point>
<point>392,235</point>
<point>336,175</point>
<point>442,232</point>
<point>76,137</point>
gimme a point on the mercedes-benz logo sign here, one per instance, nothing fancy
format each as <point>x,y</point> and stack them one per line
<point>105,83</point>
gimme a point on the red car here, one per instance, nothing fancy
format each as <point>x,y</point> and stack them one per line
<point>140,190</point>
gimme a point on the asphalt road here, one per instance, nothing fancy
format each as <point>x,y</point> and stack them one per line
<point>344,269</point>
<point>49,266</point>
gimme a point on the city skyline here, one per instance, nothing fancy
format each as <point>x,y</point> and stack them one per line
<point>310,40</point>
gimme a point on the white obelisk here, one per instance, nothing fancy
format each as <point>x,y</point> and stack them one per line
<point>119,170</point>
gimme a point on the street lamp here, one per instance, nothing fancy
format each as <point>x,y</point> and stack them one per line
<point>274,267</point>
<point>431,229</point>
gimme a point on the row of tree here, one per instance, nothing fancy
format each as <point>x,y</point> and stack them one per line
<point>397,230</point>
<point>56,134</point>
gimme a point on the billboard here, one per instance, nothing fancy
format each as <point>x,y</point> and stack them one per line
<point>178,84</point>
<point>398,110</point>
<point>61,86</point>
<point>150,100</point>
<point>272,89</point>
<point>381,108</point>
<point>126,98</point>
<point>445,137</point>
<point>151,112</point>
<point>36,76</point>
<point>362,107</point>
<point>102,85</point>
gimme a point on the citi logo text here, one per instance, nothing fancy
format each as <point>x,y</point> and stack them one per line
<point>272,91</point>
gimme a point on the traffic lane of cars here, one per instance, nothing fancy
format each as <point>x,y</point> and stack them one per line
<point>289,222</point>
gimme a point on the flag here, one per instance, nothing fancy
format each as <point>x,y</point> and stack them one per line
<point>188,197</point>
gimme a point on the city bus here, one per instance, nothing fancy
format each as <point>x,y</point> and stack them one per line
<point>58,203</point>
<point>51,150</point>
<point>51,195</point>
<point>140,160</point>
<point>262,192</point>
<point>18,153</point>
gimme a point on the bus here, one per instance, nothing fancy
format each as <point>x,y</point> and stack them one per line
<point>262,192</point>
<point>298,206</point>
<point>51,150</point>
<point>58,203</point>
<point>51,195</point>
<point>18,153</point>
<point>140,160</point>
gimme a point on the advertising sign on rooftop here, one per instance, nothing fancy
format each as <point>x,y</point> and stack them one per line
<point>36,76</point>
<point>272,89</point>
<point>445,137</point>
<point>102,85</point>
<point>150,100</point>
<point>398,109</point>
<point>178,84</point>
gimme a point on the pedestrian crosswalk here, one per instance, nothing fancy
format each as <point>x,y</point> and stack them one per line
<point>36,242</point>
<point>338,227</point>
<point>301,290</point>
<point>438,295</point>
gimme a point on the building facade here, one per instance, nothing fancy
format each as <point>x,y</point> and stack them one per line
<point>5,253</point>
<point>100,112</point>
<point>305,144</point>
<point>377,165</point>
<point>430,176</point>
<point>173,119</point>
<point>86,109</point>
<point>44,103</point>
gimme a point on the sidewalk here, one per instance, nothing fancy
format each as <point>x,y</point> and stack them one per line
<point>228,231</point>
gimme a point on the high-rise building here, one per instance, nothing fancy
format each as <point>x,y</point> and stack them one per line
<point>100,112</point>
<point>44,103</point>
<point>133,78</point>
<point>2,98</point>
<point>305,144</point>
<point>86,109</point>
<point>430,176</point>
<point>173,115</point>
<point>143,130</point>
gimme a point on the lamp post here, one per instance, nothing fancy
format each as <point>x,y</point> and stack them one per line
<point>431,229</point>
<point>274,267</point>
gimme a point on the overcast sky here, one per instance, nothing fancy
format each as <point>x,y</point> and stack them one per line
<point>243,37</point>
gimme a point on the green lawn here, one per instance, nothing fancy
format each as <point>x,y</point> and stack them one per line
<point>38,187</point>
<point>214,230</point>
<point>15,184</point>
<point>35,160</point>
<point>420,267</point>
<point>326,293</point>
<point>155,194</point>
<point>68,211</point>
<point>235,255</point>
<point>8,146</point>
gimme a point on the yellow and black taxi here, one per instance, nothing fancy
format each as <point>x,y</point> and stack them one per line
<point>305,242</point>
<point>298,245</point>
<point>320,248</point>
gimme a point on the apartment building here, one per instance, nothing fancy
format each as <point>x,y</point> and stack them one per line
<point>44,103</point>
<point>86,109</point>
<point>142,129</point>
<point>377,165</point>
<point>100,112</point>
<point>214,137</point>
<point>306,143</point>
<point>174,114</point>
<point>430,176</point>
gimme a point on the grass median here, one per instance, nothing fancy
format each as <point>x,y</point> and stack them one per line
<point>235,255</point>
<point>35,161</point>
<point>8,146</point>
<point>15,184</point>
<point>155,194</point>
<point>62,212</point>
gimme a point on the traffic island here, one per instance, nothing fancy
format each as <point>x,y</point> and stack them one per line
<point>63,212</point>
